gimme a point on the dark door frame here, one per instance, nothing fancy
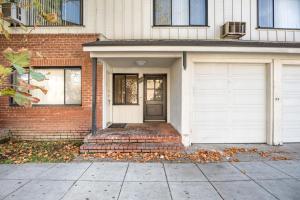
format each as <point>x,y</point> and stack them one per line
<point>165,91</point>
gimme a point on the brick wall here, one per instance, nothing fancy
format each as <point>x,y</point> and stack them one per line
<point>4,134</point>
<point>53,122</point>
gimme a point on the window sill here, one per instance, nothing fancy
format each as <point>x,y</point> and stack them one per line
<point>47,106</point>
<point>125,104</point>
<point>62,26</point>
<point>282,29</point>
<point>179,26</point>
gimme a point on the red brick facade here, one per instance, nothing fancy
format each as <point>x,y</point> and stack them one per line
<point>53,122</point>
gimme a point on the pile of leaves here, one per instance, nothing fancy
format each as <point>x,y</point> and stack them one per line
<point>200,156</point>
<point>18,152</point>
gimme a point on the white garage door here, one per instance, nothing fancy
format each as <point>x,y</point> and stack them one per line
<point>291,104</point>
<point>229,103</point>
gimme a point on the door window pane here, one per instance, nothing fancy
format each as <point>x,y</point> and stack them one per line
<point>150,94</point>
<point>180,12</point>
<point>158,95</point>
<point>73,86</point>
<point>158,84</point>
<point>162,12</point>
<point>54,84</point>
<point>150,84</point>
<point>198,12</point>
<point>265,13</point>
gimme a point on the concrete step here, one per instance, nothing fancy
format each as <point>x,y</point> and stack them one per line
<point>131,147</point>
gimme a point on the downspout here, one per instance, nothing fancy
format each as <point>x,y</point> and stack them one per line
<point>94,96</point>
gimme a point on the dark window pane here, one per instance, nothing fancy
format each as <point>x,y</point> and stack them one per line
<point>131,89</point>
<point>73,86</point>
<point>162,12</point>
<point>287,13</point>
<point>265,15</point>
<point>198,12</point>
<point>119,89</point>
<point>71,11</point>
<point>180,12</point>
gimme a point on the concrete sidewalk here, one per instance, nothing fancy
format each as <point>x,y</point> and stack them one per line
<point>158,181</point>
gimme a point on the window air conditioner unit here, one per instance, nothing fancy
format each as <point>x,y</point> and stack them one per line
<point>13,13</point>
<point>234,30</point>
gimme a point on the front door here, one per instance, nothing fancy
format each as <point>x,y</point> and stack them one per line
<point>155,97</point>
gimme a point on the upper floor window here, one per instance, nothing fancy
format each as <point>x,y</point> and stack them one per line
<point>180,12</point>
<point>279,14</point>
<point>69,13</point>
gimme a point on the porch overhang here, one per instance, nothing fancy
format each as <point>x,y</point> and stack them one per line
<point>177,46</point>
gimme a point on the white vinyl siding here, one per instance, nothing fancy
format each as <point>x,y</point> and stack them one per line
<point>229,103</point>
<point>136,22</point>
<point>291,103</point>
<point>133,19</point>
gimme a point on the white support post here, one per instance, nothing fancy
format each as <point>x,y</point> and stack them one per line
<point>186,102</point>
<point>277,103</point>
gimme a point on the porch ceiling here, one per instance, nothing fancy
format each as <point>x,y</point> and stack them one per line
<point>132,62</point>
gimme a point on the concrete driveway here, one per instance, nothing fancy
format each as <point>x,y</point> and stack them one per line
<point>137,181</point>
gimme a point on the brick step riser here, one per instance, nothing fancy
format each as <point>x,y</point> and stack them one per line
<point>131,147</point>
<point>106,141</point>
<point>131,151</point>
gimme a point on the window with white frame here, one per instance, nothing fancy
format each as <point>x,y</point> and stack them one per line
<point>279,14</point>
<point>63,85</point>
<point>180,12</point>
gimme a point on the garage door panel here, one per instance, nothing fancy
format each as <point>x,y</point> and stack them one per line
<point>211,99</point>
<point>248,99</point>
<point>239,116</point>
<point>247,84</point>
<point>236,112</point>
<point>210,117</point>
<point>291,73</point>
<point>210,69</point>
<point>210,84</point>
<point>290,87</point>
<point>290,118</point>
<point>291,103</point>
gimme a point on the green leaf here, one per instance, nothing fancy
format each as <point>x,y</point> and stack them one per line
<point>7,92</point>
<point>5,71</point>
<point>23,86</point>
<point>3,29</point>
<point>37,75</point>
<point>24,99</point>
<point>19,58</point>
<point>20,69</point>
